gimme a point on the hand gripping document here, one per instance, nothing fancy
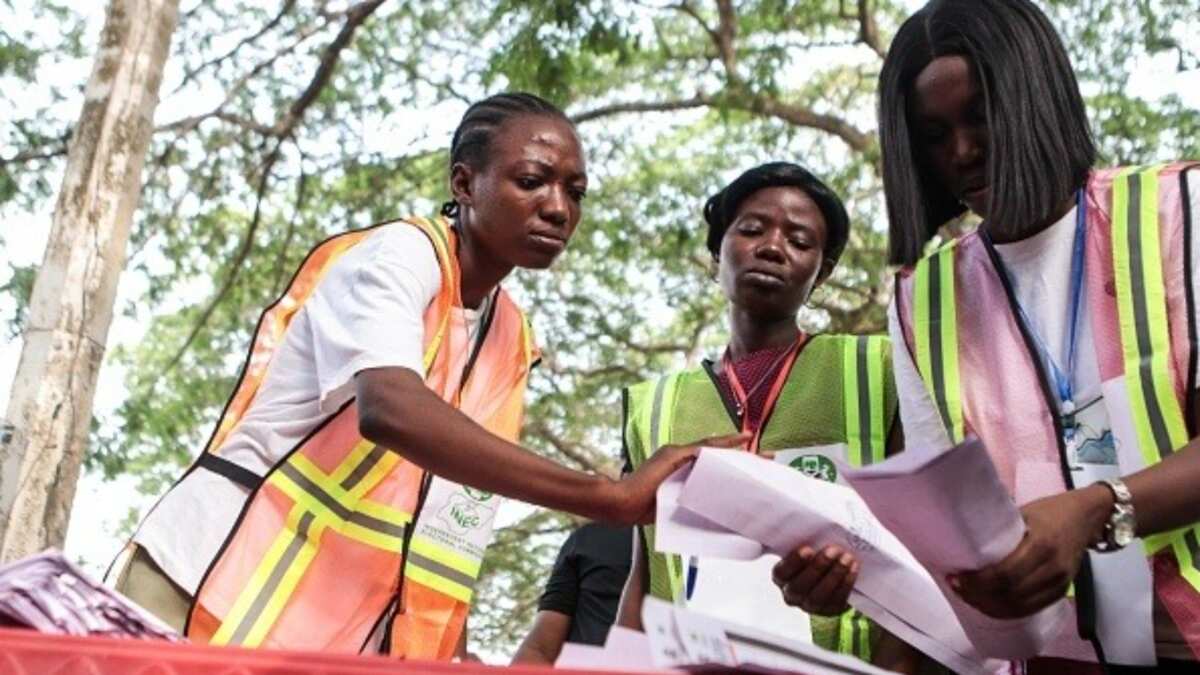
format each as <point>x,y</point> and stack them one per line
<point>733,504</point>
<point>953,514</point>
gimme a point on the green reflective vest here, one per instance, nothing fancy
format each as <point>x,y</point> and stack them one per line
<point>840,390</point>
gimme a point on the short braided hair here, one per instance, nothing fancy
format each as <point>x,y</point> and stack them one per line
<point>473,138</point>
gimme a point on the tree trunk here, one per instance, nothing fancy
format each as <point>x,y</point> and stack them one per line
<point>50,407</point>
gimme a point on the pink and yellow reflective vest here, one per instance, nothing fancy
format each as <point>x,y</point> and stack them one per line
<point>983,373</point>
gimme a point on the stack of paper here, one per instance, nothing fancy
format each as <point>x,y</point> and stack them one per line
<point>734,504</point>
<point>678,638</point>
<point>49,594</point>
<point>953,514</point>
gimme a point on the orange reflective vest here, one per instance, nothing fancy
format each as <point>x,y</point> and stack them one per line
<point>343,539</point>
<point>981,370</point>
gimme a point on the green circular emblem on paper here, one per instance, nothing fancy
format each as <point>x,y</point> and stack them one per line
<point>816,466</point>
<point>477,495</point>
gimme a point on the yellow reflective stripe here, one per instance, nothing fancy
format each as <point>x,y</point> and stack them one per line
<point>432,350</point>
<point>291,578</point>
<point>1184,554</point>
<point>1141,303</point>
<point>388,541</point>
<point>441,569</point>
<point>949,346</point>
<point>369,536</point>
<point>877,346</point>
<point>1145,340</point>
<point>438,583</point>
<point>1154,285</point>
<point>374,477</point>
<point>448,557</point>
<point>854,635</point>
<point>348,500</point>
<point>864,398</point>
<point>846,632</point>
<point>351,462</point>
<point>675,575</point>
<point>260,601</point>
<point>661,418</point>
<point>864,637</point>
<point>527,339</point>
<point>935,329</point>
<point>851,399</point>
<point>665,411</point>
<point>438,231</point>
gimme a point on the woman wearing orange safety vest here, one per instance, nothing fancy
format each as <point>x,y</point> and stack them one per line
<point>1061,331</point>
<point>347,495</point>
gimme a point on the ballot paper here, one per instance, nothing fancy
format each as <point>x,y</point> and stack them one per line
<point>952,513</point>
<point>624,649</point>
<point>780,508</point>
<point>49,594</point>
<point>679,638</point>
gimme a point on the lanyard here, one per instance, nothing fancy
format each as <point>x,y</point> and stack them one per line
<point>743,399</point>
<point>1064,380</point>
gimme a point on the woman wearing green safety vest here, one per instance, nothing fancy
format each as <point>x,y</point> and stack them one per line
<point>775,233</point>
<point>1061,332</point>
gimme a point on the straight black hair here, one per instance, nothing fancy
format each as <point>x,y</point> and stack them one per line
<point>1039,145</point>
<point>472,140</point>
<point>721,208</point>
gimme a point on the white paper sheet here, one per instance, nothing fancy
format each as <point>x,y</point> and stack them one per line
<point>680,638</point>
<point>678,530</point>
<point>781,508</point>
<point>953,514</point>
<point>624,649</point>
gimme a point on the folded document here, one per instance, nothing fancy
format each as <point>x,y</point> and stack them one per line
<point>734,504</point>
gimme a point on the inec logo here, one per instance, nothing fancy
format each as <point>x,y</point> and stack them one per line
<point>816,466</point>
<point>462,515</point>
<point>477,495</point>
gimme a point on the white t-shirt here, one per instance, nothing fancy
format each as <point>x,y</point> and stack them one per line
<point>366,313</point>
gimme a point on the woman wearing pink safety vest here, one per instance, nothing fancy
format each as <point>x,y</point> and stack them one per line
<point>1061,331</point>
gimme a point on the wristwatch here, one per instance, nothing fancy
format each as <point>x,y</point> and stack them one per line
<point>1121,527</point>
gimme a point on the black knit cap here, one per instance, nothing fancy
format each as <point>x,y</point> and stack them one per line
<point>720,209</point>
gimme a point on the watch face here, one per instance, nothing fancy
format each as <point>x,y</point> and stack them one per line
<point>1123,529</point>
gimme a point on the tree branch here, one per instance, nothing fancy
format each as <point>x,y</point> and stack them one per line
<point>189,124</point>
<point>796,115</point>
<point>806,117</point>
<point>35,155</point>
<point>726,32</point>
<point>687,8</point>
<point>235,266</point>
<point>571,451</point>
<point>868,30</point>
<point>280,272</point>
<point>190,75</point>
<point>283,129</point>
<point>355,16</point>
<point>697,101</point>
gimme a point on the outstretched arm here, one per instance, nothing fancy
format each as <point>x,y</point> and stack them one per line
<point>545,640</point>
<point>396,410</point>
